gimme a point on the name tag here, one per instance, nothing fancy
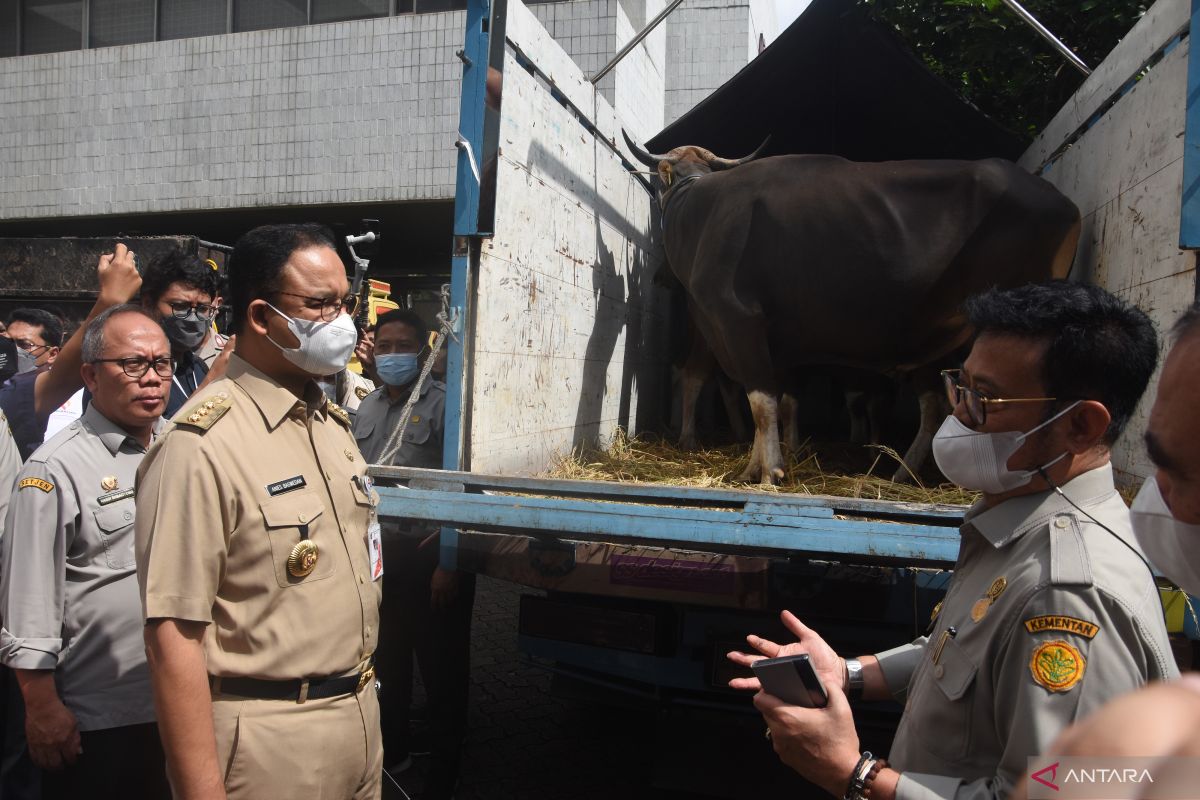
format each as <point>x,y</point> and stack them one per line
<point>113,497</point>
<point>375,545</point>
<point>286,485</point>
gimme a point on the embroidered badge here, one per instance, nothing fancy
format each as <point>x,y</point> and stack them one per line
<point>1054,622</point>
<point>112,497</point>
<point>415,419</point>
<point>36,483</point>
<point>288,485</point>
<point>1057,666</point>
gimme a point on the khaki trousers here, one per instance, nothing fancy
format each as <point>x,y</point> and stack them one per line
<point>328,749</point>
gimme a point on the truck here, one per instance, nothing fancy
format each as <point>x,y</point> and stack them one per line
<point>555,328</point>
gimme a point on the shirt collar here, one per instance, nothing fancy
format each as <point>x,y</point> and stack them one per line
<point>403,398</point>
<point>111,434</point>
<point>1014,518</point>
<point>275,402</point>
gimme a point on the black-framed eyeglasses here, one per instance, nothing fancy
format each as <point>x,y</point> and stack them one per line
<point>137,367</point>
<point>330,307</point>
<point>181,308</point>
<point>975,403</point>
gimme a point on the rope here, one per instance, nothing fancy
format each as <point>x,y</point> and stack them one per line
<point>445,330</point>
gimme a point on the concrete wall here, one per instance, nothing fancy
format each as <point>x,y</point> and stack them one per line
<point>708,44</point>
<point>340,113</point>
<point>1125,173</point>
<point>567,323</point>
<point>592,31</point>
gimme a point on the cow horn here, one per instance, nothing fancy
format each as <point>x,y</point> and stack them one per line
<point>641,155</point>
<point>729,163</point>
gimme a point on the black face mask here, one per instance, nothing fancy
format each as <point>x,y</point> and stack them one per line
<point>8,358</point>
<point>186,333</point>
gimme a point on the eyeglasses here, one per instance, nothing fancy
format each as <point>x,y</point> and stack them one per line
<point>137,367</point>
<point>976,404</point>
<point>28,346</point>
<point>330,307</point>
<point>181,308</point>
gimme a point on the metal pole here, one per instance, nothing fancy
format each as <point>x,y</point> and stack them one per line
<point>1032,21</point>
<point>635,41</point>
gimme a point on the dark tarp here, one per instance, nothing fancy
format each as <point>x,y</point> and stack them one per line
<point>836,82</point>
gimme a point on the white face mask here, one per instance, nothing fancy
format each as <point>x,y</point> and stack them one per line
<point>1171,545</point>
<point>979,461</point>
<point>325,347</point>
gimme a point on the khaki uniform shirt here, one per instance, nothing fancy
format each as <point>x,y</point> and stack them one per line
<point>247,471</point>
<point>1053,615</point>
<point>352,388</point>
<point>68,590</point>
<point>10,465</point>
<point>379,416</point>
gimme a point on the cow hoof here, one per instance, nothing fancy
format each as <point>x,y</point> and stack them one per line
<point>687,443</point>
<point>902,475</point>
<point>764,477</point>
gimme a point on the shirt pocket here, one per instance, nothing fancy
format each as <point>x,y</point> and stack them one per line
<point>285,517</point>
<point>115,523</point>
<point>418,433</point>
<point>947,721</point>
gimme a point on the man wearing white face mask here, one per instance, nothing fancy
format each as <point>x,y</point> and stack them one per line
<point>257,549</point>
<point>1163,720</point>
<point>1051,611</point>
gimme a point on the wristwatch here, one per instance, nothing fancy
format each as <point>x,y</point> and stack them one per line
<point>854,680</point>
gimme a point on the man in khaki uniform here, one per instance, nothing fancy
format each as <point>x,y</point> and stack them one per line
<point>1051,611</point>
<point>72,628</point>
<point>257,549</point>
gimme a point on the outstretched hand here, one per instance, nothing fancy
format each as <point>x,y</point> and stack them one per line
<point>825,661</point>
<point>118,276</point>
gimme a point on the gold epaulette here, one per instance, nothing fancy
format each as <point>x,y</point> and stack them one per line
<point>338,413</point>
<point>203,414</point>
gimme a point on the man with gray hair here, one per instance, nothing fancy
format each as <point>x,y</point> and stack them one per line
<point>72,628</point>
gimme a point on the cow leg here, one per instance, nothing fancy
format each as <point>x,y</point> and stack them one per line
<point>690,386</point>
<point>878,406</point>
<point>732,400</point>
<point>789,427</point>
<point>766,460</point>
<point>932,414</point>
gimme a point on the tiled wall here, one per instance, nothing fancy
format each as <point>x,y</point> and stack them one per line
<point>341,113</point>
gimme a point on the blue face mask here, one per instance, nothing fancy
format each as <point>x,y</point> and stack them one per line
<point>397,369</point>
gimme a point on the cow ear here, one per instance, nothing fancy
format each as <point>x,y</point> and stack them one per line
<point>664,172</point>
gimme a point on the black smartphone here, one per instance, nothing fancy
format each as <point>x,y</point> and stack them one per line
<point>791,679</point>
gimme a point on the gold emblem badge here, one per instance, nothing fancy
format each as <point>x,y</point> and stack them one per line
<point>415,419</point>
<point>980,609</point>
<point>349,456</point>
<point>108,483</point>
<point>303,558</point>
<point>360,392</point>
<point>1057,666</point>
<point>936,610</point>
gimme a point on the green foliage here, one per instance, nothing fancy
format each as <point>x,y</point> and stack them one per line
<point>999,63</point>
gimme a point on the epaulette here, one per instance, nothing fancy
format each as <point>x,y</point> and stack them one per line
<point>203,414</point>
<point>1069,561</point>
<point>338,413</point>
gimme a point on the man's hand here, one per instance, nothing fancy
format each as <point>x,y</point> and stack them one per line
<point>53,734</point>
<point>365,350</point>
<point>219,366</point>
<point>828,664</point>
<point>118,276</point>
<point>819,743</point>
<point>443,588</point>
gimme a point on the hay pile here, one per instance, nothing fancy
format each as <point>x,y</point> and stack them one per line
<point>833,469</point>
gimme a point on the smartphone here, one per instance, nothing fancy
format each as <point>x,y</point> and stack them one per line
<point>791,679</point>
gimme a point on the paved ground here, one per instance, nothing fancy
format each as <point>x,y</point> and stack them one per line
<point>529,744</point>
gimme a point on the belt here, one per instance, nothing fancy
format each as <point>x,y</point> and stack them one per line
<point>297,691</point>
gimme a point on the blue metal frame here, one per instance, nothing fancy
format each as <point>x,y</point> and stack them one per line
<point>735,521</point>
<point>1189,206</point>
<point>466,226</point>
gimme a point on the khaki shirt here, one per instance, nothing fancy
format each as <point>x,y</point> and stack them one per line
<point>10,465</point>
<point>225,496</point>
<point>379,416</point>
<point>1053,615</point>
<point>352,388</point>
<point>68,590</point>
